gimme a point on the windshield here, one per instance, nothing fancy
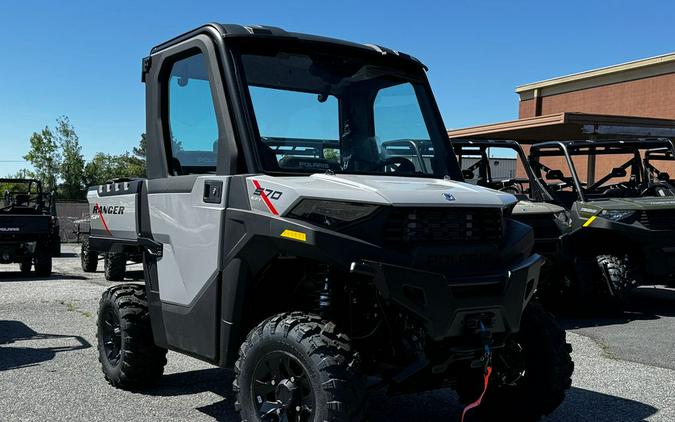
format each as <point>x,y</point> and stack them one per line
<point>317,112</point>
<point>616,170</point>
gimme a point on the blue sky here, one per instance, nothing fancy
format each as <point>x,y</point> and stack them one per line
<point>82,58</point>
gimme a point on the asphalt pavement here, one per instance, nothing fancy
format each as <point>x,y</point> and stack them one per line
<point>49,370</point>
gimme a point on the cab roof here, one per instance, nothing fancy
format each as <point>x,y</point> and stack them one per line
<point>263,32</point>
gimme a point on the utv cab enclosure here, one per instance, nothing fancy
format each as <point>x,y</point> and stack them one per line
<point>285,235</point>
<point>29,231</point>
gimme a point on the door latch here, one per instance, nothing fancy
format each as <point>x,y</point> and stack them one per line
<point>213,191</point>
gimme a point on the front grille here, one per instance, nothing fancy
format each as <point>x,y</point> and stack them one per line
<point>443,224</point>
<point>658,219</point>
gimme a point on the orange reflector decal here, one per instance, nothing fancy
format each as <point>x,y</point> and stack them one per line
<point>589,221</point>
<point>292,234</point>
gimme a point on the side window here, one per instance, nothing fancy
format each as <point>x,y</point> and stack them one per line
<point>193,126</point>
<point>400,130</point>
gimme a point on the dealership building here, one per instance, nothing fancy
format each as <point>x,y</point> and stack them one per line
<point>637,97</point>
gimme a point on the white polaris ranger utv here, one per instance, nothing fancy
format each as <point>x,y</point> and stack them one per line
<point>281,238</point>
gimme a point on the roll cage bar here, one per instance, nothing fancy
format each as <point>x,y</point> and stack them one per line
<point>537,191</point>
<point>591,148</point>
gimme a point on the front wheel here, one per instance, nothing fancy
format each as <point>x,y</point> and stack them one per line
<point>531,374</point>
<point>616,273</point>
<point>298,367</point>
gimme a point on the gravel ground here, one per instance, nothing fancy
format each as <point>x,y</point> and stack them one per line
<point>49,370</point>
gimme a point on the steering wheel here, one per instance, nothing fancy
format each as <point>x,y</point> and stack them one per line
<point>396,165</point>
<point>512,189</point>
<point>511,186</point>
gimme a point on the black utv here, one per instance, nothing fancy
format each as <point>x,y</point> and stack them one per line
<point>308,247</point>
<point>29,230</point>
<point>623,221</point>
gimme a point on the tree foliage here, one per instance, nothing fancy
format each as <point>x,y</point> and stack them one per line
<point>57,161</point>
<point>45,157</point>
<point>72,163</point>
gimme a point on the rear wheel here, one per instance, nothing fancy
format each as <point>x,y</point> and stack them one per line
<point>298,367</point>
<point>115,266</point>
<point>88,258</point>
<point>129,358</point>
<point>531,374</point>
<point>43,263</point>
<point>25,265</point>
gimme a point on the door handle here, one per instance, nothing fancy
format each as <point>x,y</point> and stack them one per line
<point>213,191</point>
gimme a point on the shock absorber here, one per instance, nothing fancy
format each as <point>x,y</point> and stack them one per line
<point>324,289</point>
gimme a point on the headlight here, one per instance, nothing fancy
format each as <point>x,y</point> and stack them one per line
<point>331,214</point>
<point>616,215</point>
<point>563,217</point>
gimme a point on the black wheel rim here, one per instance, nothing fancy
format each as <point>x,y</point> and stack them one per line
<point>281,389</point>
<point>111,336</point>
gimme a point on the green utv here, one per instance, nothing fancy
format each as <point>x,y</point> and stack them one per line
<point>495,165</point>
<point>289,232</point>
<point>623,221</point>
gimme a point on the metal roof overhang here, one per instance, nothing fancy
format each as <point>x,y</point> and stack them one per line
<point>568,126</point>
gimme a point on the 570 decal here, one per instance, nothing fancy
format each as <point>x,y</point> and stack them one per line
<point>271,194</point>
<point>266,195</point>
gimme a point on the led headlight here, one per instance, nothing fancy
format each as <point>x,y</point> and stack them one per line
<point>331,213</point>
<point>616,215</point>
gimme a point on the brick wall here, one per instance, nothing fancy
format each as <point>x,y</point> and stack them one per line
<point>648,97</point>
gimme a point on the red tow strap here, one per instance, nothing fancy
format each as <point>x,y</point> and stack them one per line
<point>486,378</point>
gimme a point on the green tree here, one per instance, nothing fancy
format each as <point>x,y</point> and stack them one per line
<point>45,157</point>
<point>136,160</point>
<point>72,163</point>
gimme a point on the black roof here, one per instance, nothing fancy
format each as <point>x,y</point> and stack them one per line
<point>273,32</point>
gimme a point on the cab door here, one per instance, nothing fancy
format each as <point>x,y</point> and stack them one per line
<point>189,134</point>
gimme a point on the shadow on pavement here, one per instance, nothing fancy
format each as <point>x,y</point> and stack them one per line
<point>646,303</point>
<point>18,277</point>
<point>441,405</point>
<point>12,357</point>
<point>585,405</point>
<point>68,255</point>
<point>215,380</point>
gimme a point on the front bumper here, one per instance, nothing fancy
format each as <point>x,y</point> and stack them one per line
<point>450,307</point>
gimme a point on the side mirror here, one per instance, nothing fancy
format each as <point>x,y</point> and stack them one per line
<point>618,172</point>
<point>468,174</point>
<point>554,175</point>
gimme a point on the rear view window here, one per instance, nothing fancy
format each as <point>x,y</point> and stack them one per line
<point>192,117</point>
<point>298,129</point>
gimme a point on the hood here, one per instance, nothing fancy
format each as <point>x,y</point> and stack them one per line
<point>528,207</point>
<point>649,203</point>
<point>283,192</point>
